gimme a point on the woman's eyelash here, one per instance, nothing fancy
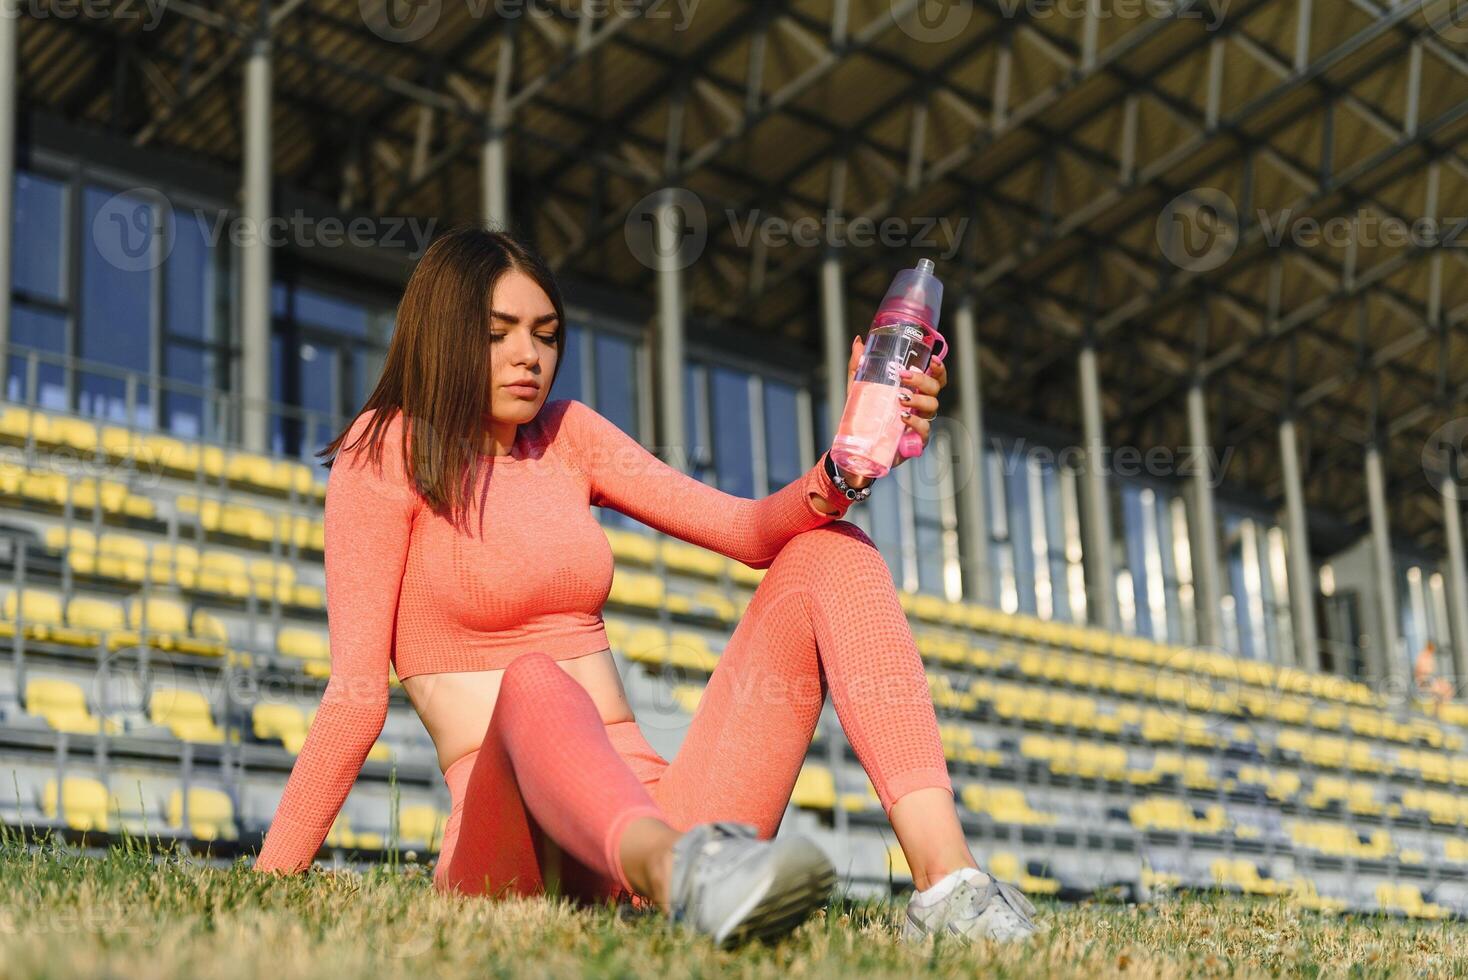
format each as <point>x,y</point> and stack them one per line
<point>550,339</point>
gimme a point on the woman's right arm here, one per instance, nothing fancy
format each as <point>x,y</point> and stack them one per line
<point>369,515</point>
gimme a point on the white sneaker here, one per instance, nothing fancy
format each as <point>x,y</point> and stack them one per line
<point>731,886</point>
<point>992,910</point>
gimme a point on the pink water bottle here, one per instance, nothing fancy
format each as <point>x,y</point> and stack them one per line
<point>902,335</point>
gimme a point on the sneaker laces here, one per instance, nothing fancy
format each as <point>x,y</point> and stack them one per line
<point>711,861</point>
<point>1012,897</point>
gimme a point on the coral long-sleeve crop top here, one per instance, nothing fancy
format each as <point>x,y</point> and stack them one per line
<point>530,572</point>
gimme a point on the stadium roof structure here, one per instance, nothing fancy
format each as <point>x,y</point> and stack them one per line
<point>1119,169</point>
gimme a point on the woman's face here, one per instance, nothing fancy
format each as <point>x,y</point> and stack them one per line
<point>522,347</point>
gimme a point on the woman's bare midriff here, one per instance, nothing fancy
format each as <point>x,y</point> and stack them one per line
<point>456,707</point>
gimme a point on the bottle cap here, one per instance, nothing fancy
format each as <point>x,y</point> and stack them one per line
<point>915,294</point>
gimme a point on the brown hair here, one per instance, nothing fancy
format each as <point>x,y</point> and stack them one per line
<point>437,367</point>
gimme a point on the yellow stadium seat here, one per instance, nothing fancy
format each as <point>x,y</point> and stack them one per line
<point>102,617</point>
<point>170,627</point>
<point>639,589</point>
<point>421,825</point>
<point>225,573</point>
<point>1244,874</point>
<point>744,575</point>
<point>45,618</point>
<point>1006,867</point>
<point>1005,804</point>
<point>284,722</point>
<point>815,788</point>
<point>617,631</point>
<point>680,556</point>
<point>897,865</point>
<point>303,643</point>
<point>340,834</point>
<point>688,696</point>
<point>690,651</point>
<point>81,803</point>
<point>647,644</point>
<point>863,801</point>
<point>210,814</point>
<point>186,713</point>
<point>64,706</point>
<point>17,422</point>
<point>1303,893</point>
<point>632,546</point>
<point>1407,899</point>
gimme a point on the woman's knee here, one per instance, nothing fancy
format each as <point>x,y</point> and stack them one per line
<point>837,546</point>
<point>527,673</point>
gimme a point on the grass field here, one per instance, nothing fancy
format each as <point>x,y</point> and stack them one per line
<point>131,914</point>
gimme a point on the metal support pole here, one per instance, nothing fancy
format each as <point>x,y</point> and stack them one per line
<point>254,376</point>
<point>667,223</point>
<point>1457,567</point>
<point>8,109</point>
<point>973,502</point>
<point>1100,570</point>
<point>836,341</point>
<point>1301,569</point>
<point>494,166</point>
<point>1204,543</point>
<point>1389,666</point>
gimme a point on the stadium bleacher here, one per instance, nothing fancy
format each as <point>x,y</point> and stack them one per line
<point>165,647</point>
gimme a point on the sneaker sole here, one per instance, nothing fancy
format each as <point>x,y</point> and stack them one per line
<point>798,881</point>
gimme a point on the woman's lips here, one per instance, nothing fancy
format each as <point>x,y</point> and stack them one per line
<point>524,391</point>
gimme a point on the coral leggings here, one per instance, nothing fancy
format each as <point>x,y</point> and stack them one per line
<point>542,804</point>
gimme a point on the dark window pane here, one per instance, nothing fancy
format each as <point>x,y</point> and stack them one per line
<point>1136,556</point>
<point>191,280</point>
<point>277,392</point>
<point>695,422</point>
<point>782,434</point>
<point>318,373</point>
<point>616,381</point>
<point>183,411</point>
<point>616,397</point>
<point>733,435</point>
<point>117,300</point>
<point>884,511</point>
<point>331,312</point>
<point>568,369</point>
<point>43,330</point>
<point>37,260</point>
<point>1017,479</point>
<point>929,555</point>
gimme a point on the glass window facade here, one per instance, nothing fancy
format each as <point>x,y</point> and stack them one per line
<point>134,284</point>
<point>1034,529</point>
<point>326,355</point>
